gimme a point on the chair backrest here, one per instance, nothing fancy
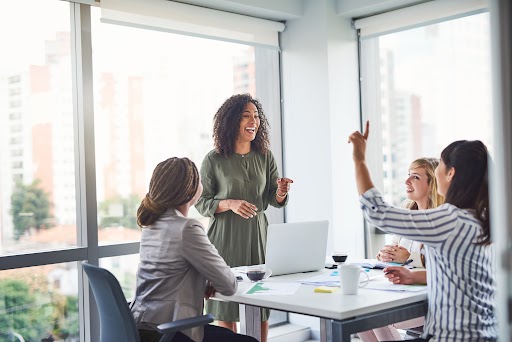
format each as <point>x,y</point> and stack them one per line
<point>116,319</point>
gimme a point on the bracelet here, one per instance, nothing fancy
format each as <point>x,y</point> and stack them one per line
<point>279,196</point>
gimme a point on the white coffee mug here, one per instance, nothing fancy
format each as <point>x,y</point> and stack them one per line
<point>349,278</point>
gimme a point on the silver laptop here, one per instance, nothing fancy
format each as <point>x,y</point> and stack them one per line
<point>296,247</point>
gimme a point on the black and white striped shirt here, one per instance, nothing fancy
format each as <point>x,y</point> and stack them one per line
<point>460,273</point>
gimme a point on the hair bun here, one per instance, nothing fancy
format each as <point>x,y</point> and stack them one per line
<point>151,205</point>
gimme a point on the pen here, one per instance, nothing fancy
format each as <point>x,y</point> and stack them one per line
<point>407,262</point>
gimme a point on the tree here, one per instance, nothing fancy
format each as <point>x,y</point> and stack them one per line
<point>19,312</point>
<point>35,313</point>
<point>30,208</point>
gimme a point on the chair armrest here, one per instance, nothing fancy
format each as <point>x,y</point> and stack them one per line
<point>183,324</point>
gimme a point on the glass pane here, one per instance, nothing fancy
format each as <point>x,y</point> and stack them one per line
<point>38,303</point>
<point>37,176</point>
<point>429,86</point>
<point>124,268</point>
<point>155,97</point>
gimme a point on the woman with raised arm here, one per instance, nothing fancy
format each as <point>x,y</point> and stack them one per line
<point>460,258</point>
<point>421,189</point>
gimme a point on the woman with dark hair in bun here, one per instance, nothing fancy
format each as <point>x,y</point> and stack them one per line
<point>177,260</point>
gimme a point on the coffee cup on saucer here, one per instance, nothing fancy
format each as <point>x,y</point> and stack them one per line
<point>339,257</point>
<point>258,273</point>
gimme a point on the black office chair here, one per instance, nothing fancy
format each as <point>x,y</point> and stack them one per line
<point>116,320</point>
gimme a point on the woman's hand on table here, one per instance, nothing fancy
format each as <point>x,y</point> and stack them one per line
<point>393,254</point>
<point>399,275</point>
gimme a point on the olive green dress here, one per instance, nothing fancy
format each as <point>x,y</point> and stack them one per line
<point>251,177</point>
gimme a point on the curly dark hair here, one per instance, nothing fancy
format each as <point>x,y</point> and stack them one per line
<point>226,124</point>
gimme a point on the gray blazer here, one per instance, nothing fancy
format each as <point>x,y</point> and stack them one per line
<point>176,260</point>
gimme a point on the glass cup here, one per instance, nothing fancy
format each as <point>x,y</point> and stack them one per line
<point>339,257</point>
<point>350,278</point>
<point>258,273</point>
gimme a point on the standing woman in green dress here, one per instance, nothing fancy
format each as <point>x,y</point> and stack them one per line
<point>240,180</point>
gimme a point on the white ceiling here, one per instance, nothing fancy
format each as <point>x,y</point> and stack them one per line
<point>282,10</point>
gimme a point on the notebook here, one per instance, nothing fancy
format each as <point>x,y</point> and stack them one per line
<point>296,247</point>
<point>374,263</point>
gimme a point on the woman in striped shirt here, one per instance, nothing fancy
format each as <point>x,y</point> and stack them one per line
<point>456,237</point>
<point>421,187</point>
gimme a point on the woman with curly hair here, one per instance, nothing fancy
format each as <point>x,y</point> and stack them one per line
<point>240,180</point>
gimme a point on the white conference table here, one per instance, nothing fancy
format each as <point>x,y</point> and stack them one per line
<point>340,315</point>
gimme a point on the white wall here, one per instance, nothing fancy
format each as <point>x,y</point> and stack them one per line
<point>320,109</point>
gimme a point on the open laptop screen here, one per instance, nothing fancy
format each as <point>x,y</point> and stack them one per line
<point>296,247</point>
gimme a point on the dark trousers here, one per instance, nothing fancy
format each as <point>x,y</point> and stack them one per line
<point>212,333</point>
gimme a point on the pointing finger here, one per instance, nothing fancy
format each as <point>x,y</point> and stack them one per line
<point>367,130</point>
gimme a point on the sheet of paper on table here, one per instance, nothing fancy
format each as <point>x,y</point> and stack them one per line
<point>385,285</point>
<point>272,289</point>
<point>329,279</point>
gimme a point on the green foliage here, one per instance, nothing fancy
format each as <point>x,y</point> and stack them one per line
<point>119,211</point>
<point>35,314</point>
<point>19,312</point>
<point>30,208</point>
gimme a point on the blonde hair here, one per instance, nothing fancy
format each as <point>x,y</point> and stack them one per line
<point>434,198</point>
<point>174,183</point>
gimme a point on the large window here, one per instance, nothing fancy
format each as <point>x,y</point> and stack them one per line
<point>151,97</point>
<point>155,97</point>
<point>422,89</point>
<point>37,176</point>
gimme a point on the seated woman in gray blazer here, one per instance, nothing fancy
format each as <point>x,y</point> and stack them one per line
<point>176,258</point>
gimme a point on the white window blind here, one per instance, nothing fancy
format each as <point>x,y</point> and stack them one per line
<point>419,15</point>
<point>192,20</point>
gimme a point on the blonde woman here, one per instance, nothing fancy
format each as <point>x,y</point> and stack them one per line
<point>421,189</point>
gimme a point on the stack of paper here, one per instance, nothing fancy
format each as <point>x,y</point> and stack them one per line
<point>329,279</point>
<point>385,285</point>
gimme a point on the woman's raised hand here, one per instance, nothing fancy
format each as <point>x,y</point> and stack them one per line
<point>359,141</point>
<point>243,208</point>
<point>283,186</point>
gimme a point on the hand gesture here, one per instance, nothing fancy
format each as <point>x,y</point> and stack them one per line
<point>399,275</point>
<point>210,290</point>
<point>243,208</point>
<point>359,141</point>
<point>393,254</point>
<point>283,186</point>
